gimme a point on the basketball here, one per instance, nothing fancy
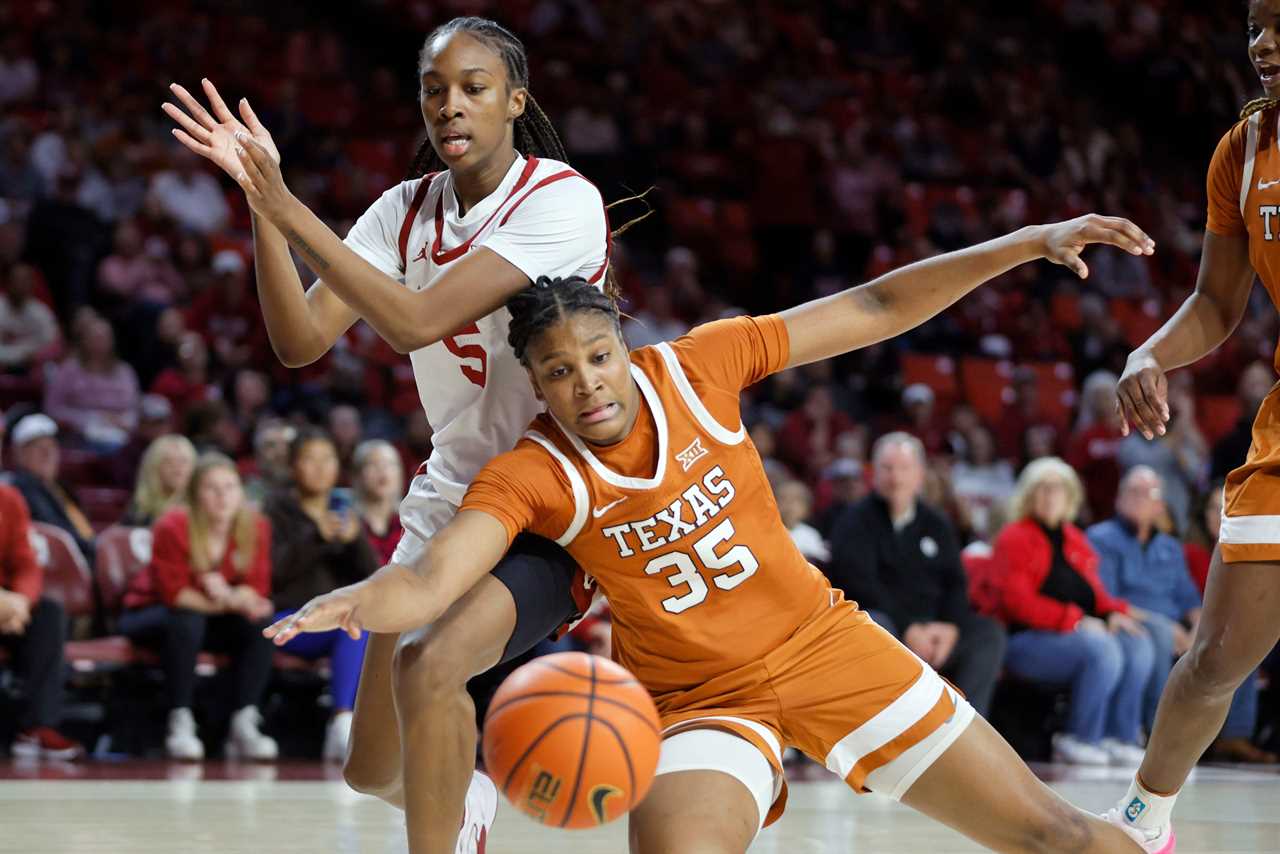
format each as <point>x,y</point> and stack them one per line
<point>572,740</point>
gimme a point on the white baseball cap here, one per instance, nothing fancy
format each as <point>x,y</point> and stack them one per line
<point>32,427</point>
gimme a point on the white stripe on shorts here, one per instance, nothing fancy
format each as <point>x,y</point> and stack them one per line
<point>889,723</point>
<point>1250,530</point>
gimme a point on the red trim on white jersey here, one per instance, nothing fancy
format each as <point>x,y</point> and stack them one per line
<point>411,215</point>
<point>443,256</point>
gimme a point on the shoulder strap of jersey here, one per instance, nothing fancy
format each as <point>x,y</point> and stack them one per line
<point>715,429</point>
<point>577,483</point>
<point>411,215</point>
<point>1250,154</point>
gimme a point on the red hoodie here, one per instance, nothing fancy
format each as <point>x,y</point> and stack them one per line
<point>19,572</point>
<point>1022,559</point>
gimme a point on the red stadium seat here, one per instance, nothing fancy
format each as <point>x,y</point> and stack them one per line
<point>1138,319</point>
<point>104,505</point>
<point>987,386</point>
<point>66,572</point>
<point>122,553</point>
<point>1057,384</point>
<point>981,571</point>
<point>1217,414</point>
<point>937,372</point>
<point>1064,308</point>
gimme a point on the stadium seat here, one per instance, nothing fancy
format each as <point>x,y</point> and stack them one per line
<point>66,572</point>
<point>1057,384</point>
<point>104,505</point>
<point>935,371</point>
<point>987,386</point>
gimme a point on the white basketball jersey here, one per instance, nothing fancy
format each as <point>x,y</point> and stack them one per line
<point>545,219</point>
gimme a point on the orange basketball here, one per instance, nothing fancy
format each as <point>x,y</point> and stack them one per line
<point>572,740</point>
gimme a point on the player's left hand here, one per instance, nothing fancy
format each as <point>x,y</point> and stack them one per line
<point>261,179</point>
<point>1062,242</point>
<point>335,610</point>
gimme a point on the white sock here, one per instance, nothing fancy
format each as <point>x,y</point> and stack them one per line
<point>1145,809</point>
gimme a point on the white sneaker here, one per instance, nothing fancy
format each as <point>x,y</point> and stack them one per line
<point>1075,751</point>
<point>246,741</point>
<point>182,743</point>
<point>1123,753</point>
<point>336,737</point>
<point>477,818</point>
<point>1159,841</point>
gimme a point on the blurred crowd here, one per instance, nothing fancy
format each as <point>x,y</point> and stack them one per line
<point>794,148</point>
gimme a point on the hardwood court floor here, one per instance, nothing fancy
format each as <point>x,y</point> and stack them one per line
<point>99,808</point>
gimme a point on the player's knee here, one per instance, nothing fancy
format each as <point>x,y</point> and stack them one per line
<point>430,664</point>
<point>369,778</point>
<point>1214,670</point>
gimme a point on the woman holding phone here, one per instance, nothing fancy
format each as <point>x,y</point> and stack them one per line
<point>318,542</point>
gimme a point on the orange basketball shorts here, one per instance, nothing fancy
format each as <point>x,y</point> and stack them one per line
<point>1251,496</point>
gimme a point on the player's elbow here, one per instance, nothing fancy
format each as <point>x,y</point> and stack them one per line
<point>413,334</point>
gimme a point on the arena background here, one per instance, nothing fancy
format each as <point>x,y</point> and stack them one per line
<point>792,149</point>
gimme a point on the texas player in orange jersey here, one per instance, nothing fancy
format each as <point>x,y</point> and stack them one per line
<point>1240,622</point>
<point>641,468</point>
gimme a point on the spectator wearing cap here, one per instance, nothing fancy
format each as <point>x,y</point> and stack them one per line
<point>37,459</point>
<point>899,559</point>
<point>28,329</point>
<point>94,393</point>
<point>921,418</point>
<point>226,314</point>
<point>33,629</point>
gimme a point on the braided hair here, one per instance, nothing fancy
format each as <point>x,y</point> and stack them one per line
<point>1257,105</point>
<point>532,130</point>
<point>549,301</point>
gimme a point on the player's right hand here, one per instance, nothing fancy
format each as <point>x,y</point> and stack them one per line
<point>212,136</point>
<point>334,610</point>
<point>1142,397</point>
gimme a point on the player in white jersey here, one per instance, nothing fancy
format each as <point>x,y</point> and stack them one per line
<point>430,266</point>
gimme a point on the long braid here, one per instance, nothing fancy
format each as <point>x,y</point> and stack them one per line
<point>548,301</point>
<point>532,132</point>
<point>1257,105</point>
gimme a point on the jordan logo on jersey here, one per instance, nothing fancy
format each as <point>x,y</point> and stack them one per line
<point>421,256</point>
<point>691,454</point>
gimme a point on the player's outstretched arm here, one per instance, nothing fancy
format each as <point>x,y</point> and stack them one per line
<point>1204,321</point>
<point>905,298</point>
<point>302,325</point>
<point>399,598</point>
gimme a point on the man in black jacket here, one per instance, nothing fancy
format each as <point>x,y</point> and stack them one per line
<point>899,559</point>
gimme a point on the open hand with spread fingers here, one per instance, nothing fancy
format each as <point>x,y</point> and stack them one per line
<point>211,133</point>
<point>334,610</point>
<point>1064,241</point>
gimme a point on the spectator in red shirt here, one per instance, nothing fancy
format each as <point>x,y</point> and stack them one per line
<point>379,486</point>
<point>1202,535</point>
<point>188,383</point>
<point>206,588</point>
<point>1091,450</point>
<point>227,313</point>
<point>32,629</point>
<point>808,437</point>
<point>1064,627</point>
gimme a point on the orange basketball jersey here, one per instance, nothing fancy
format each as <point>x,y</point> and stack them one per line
<point>1244,199</point>
<point>677,522</point>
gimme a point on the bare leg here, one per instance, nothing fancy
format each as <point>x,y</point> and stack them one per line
<point>694,812</point>
<point>436,715</point>
<point>373,753</point>
<point>1240,624</point>
<point>982,789</point>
